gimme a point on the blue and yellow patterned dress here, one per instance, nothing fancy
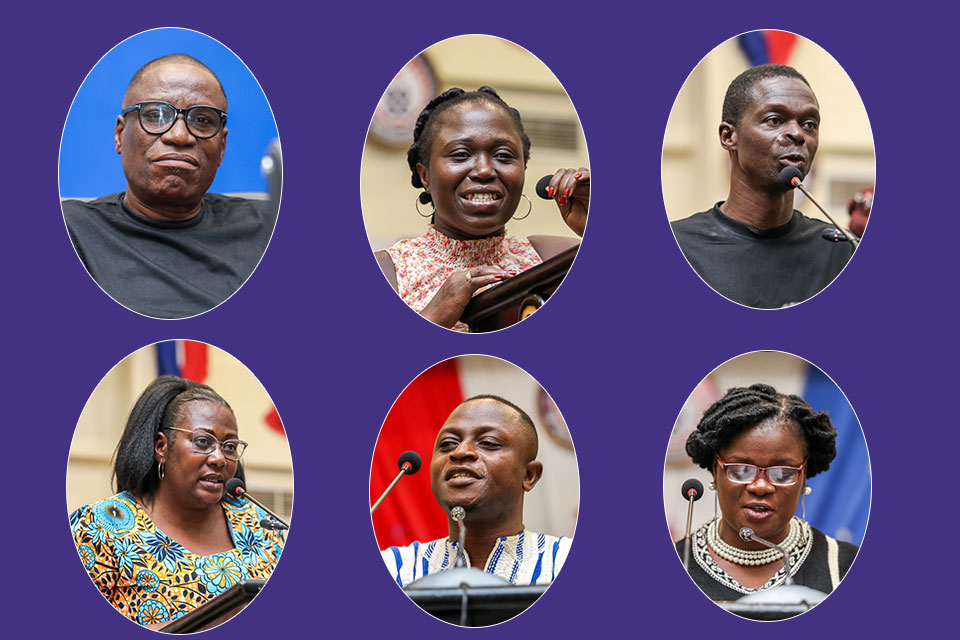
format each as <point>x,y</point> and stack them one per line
<point>149,577</point>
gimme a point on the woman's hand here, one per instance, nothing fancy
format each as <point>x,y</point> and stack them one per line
<point>570,189</point>
<point>451,299</point>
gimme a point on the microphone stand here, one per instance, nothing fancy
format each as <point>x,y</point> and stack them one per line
<point>404,469</point>
<point>747,535</point>
<point>246,496</point>
<point>457,513</point>
<point>849,236</point>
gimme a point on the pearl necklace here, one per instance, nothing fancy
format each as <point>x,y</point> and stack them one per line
<point>753,558</point>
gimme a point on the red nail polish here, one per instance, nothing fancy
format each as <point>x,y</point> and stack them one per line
<point>578,176</point>
<point>562,200</point>
<point>567,192</point>
<point>550,191</point>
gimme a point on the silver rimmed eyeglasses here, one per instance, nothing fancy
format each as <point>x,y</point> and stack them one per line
<point>157,117</point>
<point>743,473</point>
<point>206,444</point>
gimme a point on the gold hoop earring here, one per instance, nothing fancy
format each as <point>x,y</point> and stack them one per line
<point>161,472</point>
<point>416,204</point>
<point>529,208</point>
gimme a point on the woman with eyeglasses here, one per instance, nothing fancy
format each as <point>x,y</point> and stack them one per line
<point>171,539</point>
<point>469,155</point>
<point>761,447</point>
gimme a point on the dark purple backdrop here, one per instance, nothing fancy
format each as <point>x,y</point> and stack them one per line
<point>619,348</point>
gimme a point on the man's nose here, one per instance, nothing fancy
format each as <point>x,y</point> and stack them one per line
<point>795,132</point>
<point>178,134</point>
<point>464,450</point>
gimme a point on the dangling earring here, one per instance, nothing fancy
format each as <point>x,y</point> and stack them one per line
<point>529,207</point>
<point>417,202</point>
<point>160,471</point>
<point>713,487</point>
<point>803,502</point>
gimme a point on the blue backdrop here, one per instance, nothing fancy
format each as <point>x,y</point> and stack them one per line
<point>89,164</point>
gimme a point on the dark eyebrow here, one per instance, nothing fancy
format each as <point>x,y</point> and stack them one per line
<point>470,140</point>
<point>776,106</point>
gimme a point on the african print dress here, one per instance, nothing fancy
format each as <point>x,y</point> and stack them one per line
<point>149,577</point>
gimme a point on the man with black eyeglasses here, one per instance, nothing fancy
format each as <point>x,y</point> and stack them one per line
<point>165,247</point>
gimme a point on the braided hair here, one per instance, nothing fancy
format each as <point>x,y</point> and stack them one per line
<point>419,151</point>
<point>739,97</point>
<point>157,409</point>
<point>742,408</point>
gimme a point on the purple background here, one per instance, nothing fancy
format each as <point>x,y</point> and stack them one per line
<point>619,348</point>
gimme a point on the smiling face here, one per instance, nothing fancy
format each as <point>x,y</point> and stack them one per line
<point>475,170</point>
<point>778,129</point>
<point>172,170</point>
<point>483,461</point>
<point>196,479</point>
<point>760,505</point>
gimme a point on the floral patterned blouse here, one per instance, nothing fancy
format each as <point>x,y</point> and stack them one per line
<point>423,264</point>
<point>149,577</point>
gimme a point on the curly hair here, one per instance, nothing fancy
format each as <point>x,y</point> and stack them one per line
<point>419,151</point>
<point>157,409</point>
<point>739,93</point>
<point>744,407</point>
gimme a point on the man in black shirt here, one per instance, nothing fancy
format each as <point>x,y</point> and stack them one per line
<point>165,247</point>
<point>754,248</point>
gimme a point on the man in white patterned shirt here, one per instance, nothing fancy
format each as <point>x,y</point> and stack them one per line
<point>484,460</point>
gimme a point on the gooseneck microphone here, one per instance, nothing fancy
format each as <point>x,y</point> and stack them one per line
<point>458,514</point>
<point>236,488</point>
<point>791,177</point>
<point>409,463</point>
<point>747,535</point>
<point>692,491</point>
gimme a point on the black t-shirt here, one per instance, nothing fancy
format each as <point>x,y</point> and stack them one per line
<point>766,268</point>
<point>170,269</point>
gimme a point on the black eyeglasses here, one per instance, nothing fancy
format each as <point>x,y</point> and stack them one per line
<point>742,473</point>
<point>157,117</point>
<point>206,444</point>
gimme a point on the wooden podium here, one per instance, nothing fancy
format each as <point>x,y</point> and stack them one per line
<point>217,611</point>
<point>516,298</point>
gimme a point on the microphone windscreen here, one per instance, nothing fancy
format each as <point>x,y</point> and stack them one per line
<point>787,176</point>
<point>235,487</point>
<point>692,484</point>
<point>413,458</point>
<point>542,185</point>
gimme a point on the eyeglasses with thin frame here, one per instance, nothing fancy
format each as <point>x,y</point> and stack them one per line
<point>206,444</point>
<point>743,473</point>
<point>156,117</point>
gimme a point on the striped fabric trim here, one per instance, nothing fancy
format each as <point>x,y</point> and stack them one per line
<point>399,563</point>
<point>833,561</point>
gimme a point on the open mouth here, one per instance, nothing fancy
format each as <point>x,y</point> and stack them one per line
<point>461,475</point>
<point>482,198</point>
<point>212,482</point>
<point>758,511</point>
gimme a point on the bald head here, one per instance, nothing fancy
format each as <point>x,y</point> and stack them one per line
<point>172,60</point>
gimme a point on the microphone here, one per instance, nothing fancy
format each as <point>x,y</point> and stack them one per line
<point>408,463</point>
<point>544,182</point>
<point>235,488</point>
<point>457,513</point>
<point>692,491</point>
<point>273,525</point>
<point>747,535</point>
<point>791,177</point>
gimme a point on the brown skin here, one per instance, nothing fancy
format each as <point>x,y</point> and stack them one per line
<point>780,128</point>
<point>185,507</point>
<point>477,149</point>
<point>770,443</point>
<point>485,441</point>
<point>168,174</point>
